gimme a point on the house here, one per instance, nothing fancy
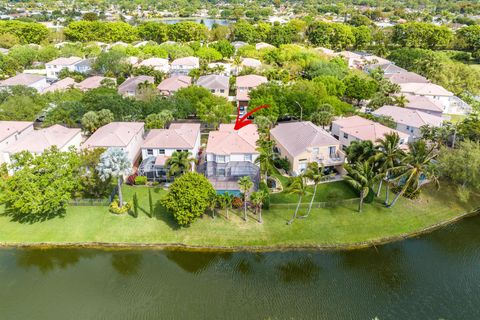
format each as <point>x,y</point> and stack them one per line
<point>160,144</point>
<point>37,141</point>
<point>129,88</point>
<point>238,44</point>
<point>251,63</point>
<point>127,136</point>
<point>326,51</point>
<point>11,132</point>
<point>353,59</point>
<point>424,104</point>
<point>244,84</point>
<point>263,45</point>
<point>409,121</point>
<point>386,68</point>
<point>158,64</point>
<point>356,128</point>
<point>216,84</point>
<point>183,66</point>
<point>224,69</point>
<point>373,59</point>
<point>171,85</point>
<point>72,64</point>
<point>93,83</point>
<point>61,85</point>
<point>451,104</point>
<point>230,155</point>
<point>304,142</point>
<point>34,81</point>
<point>406,77</point>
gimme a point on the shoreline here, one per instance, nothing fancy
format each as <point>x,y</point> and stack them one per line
<point>266,248</point>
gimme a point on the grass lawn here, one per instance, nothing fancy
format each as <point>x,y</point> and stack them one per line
<point>341,225</point>
<point>332,191</point>
<point>455,118</point>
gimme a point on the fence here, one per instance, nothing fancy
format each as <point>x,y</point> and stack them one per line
<point>331,204</point>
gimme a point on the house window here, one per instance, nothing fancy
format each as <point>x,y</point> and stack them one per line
<point>222,90</point>
<point>212,90</point>
<point>221,172</point>
<point>408,127</point>
<point>150,152</point>
<point>345,136</point>
<point>248,157</point>
<point>221,159</point>
<point>315,150</point>
<point>161,151</point>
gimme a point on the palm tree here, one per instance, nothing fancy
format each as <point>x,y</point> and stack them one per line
<point>114,163</point>
<point>299,188</point>
<point>400,101</point>
<point>266,155</point>
<point>361,176</point>
<point>179,162</point>
<point>225,201</point>
<point>316,174</point>
<point>257,199</point>
<point>245,183</point>
<point>417,166</point>
<point>388,156</point>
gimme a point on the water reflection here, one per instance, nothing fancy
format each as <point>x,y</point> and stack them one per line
<point>302,269</point>
<point>47,260</point>
<point>196,262</point>
<point>127,263</point>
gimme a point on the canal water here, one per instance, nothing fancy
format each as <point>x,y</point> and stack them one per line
<point>436,276</point>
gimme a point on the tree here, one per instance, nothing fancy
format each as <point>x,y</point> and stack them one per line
<point>91,186</point>
<point>257,199</point>
<point>214,110</point>
<point>359,88</point>
<point>187,31</point>
<point>331,35</point>
<point>154,31</point>
<point>388,158</point>
<point>266,155</point>
<point>245,183</point>
<point>93,120</point>
<point>224,47</point>
<point>26,32</point>
<point>421,35</point>
<point>225,201</point>
<point>179,163</point>
<point>297,187</point>
<point>361,177</point>
<point>90,16</point>
<point>323,116</point>
<point>208,54</point>
<point>114,163</point>
<point>360,151</point>
<point>416,169</point>
<point>158,120</point>
<point>188,197</point>
<point>316,174</point>
<point>41,185</point>
<point>112,62</point>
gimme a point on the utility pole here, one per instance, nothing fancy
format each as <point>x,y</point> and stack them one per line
<point>301,110</point>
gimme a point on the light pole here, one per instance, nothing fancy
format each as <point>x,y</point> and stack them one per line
<point>301,110</point>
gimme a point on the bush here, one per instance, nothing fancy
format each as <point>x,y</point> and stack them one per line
<point>266,202</point>
<point>282,163</point>
<point>131,179</point>
<point>237,202</point>
<point>140,180</point>
<point>114,208</point>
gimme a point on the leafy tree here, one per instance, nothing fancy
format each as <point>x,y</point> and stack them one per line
<point>360,151</point>
<point>92,120</point>
<point>179,163</point>
<point>224,47</point>
<point>187,31</point>
<point>421,35</point>
<point>154,31</point>
<point>8,40</point>
<point>358,20</point>
<point>68,113</point>
<point>331,35</point>
<point>257,198</point>
<point>21,103</point>
<point>26,32</point>
<point>282,34</point>
<point>266,155</point>
<point>363,37</point>
<point>217,111</point>
<point>244,31</point>
<point>41,185</point>
<point>245,183</point>
<point>114,163</point>
<point>208,54</point>
<point>359,88</point>
<point>90,16</point>
<point>297,187</point>
<point>84,31</point>
<point>112,62</point>
<point>225,202</point>
<point>361,176</point>
<point>323,116</point>
<point>188,197</point>
<point>219,33</point>
<point>158,120</point>
<point>91,186</point>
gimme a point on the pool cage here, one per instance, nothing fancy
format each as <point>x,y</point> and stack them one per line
<point>153,172</point>
<point>224,176</point>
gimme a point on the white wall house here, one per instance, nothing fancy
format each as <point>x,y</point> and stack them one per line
<point>183,66</point>
<point>72,64</point>
<point>34,81</point>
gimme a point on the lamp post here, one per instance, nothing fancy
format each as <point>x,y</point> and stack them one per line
<point>301,110</point>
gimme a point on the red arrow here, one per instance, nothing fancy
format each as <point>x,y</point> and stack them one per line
<point>243,121</point>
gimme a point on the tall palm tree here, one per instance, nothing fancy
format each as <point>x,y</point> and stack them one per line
<point>225,202</point>
<point>416,164</point>
<point>115,163</point>
<point>266,155</point>
<point>257,199</point>
<point>388,157</point>
<point>245,183</point>
<point>316,174</point>
<point>299,188</point>
<point>179,162</point>
<point>361,176</point>
<point>400,101</point>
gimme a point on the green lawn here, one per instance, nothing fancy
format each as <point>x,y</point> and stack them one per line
<point>341,225</point>
<point>326,192</point>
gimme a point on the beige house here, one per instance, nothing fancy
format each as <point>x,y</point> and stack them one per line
<point>304,142</point>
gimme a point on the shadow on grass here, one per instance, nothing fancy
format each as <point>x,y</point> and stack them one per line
<point>32,218</point>
<point>161,213</point>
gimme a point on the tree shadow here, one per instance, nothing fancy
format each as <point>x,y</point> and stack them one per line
<point>126,263</point>
<point>32,218</point>
<point>161,213</point>
<point>47,260</point>
<point>302,270</point>
<point>196,261</point>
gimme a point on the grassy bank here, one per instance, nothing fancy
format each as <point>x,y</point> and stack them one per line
<point>341,225</point>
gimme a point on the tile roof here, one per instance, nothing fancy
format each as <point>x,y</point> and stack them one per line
<point>409,117</point>
<point>366,129</point>
<point>38,141</point>
<point>296,137</point>
<point>63,84</point>
<point>65,61</point>
<point>252,63</point>
<point>186,61</point>
<point>131,84</point>
<point>153,62</point>
<point>214,81</point>
<point>174,83</point>
<point>228,141</point>
<point>406,77</point>
<point>423,103</point>
<point>8,128</point>
<point>177,136</point>
<point>92,83</point>
<point>114,134</point>
<point>424,89</point>
<point>20,79</point>
<point>251,81</point>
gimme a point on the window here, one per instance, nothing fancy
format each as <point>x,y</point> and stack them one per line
<point>222,90</point>
<point>345,136</point>
<point>212,90</point>
<point>408,127</point>
<point>221,159</point>
<point>315,150</point>
<point>150,152</point>
<point>221,172</point>
<point>161,151</point>
<point>248,157</point>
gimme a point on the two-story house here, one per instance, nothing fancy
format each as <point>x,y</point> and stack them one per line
<point>217,84</point>
<point>161,144</point>
<point>34,81</point>
<point>171,85</point>
<point>72,64</point>
<point>244,85</point>
<point>131,86</point>
<point>230,155</point>
<point>11,132</point>
<point>183,66</point>
<point>304,142</point>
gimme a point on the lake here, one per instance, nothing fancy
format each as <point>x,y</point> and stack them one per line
<point>436,276</point>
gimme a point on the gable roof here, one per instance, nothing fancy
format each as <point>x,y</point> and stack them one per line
<point>351,121</point>
<point>65,61</point>
<point>63,84</point>
<point>406,77</point>
<point>228,141</point>
<point>22,79</point>
<point>177,136</point>
<point>8,128</point>
<point>423,103</point>
<point>114,134</point>
<point>250,62</point>
<point>366,129</point>
<point>296,137</point>
<point>92,83</point>
<point>425,89</point>
<point>214,81</point>
<point>174,83</point>
<point>250,80</point>
<point>387,68</point>
<point>186,61</point>
<point>38,141</point>
<point>263,45</point>
<point>131,84</point>
<point>152,62</point>
<point>409,117</point>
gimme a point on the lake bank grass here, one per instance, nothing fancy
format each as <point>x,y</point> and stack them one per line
<point>342,225</point>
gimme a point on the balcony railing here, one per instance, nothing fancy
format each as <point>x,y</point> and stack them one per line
<point>335,159</point>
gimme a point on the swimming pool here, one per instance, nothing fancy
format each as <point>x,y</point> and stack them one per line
<point>235,193</point>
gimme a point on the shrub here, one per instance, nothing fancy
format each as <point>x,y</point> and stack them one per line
<point>282,163</point>
<point>237,202</point>
<point>140,180</point>
<point>266,202</point>
<point>114,208</point>
<point>411,193</point>
<point>155,183</point>
<point>131,179</point>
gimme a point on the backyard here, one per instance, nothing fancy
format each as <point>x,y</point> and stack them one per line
<point>152,225</point>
